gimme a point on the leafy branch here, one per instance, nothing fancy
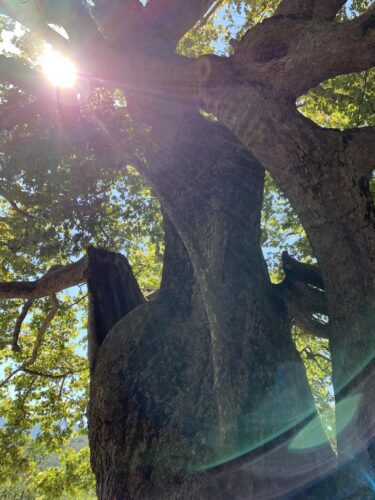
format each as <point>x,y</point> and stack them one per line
<point>17,328</point>
<point>25,366</point>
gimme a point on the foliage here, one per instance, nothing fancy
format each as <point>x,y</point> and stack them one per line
<point>65,475</point>
<point>65,185</point>
<point>61,190</point>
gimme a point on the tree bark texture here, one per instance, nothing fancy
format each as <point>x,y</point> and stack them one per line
<point>322,173</point>
<point>207,372</point>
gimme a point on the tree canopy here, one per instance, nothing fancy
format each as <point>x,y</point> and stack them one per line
<point>71,170</point>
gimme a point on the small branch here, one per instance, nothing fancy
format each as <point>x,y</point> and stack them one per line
<point>47,375</point>
<point>42,330</point>
<point>151,295</point>
<point>23,399</point>
<point>25,366</point>
<point>62,387</point>
<point>211,11</point>
<point>14,372</point>
<point>19,210</point>
<point>323,357</point>
<point>78,301</point>
<point>17,327</point>
<point>309,354</point>
<point>37,373</point>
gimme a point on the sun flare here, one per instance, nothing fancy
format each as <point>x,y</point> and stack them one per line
<point>59,70</point>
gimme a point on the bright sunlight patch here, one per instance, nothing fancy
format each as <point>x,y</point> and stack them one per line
<point>59,70</point>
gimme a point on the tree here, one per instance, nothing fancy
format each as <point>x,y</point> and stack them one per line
<point>188,392</point>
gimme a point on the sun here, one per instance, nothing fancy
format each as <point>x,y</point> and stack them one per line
<point>59,70</point>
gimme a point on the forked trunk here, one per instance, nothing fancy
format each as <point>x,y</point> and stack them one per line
<point>200,393</point>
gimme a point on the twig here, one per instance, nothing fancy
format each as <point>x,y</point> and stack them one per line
<point>209,13</point>
<point>26,395</point>
<point>17,327</point>
<point>5,381</point>
<point>61,387</point>
<point>42,330</point>
<point>311,355</point>
<point>19,210</point>
<point>77,301</point>
<point>46,375</point>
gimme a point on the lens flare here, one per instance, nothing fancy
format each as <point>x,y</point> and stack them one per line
<point>59,70</point>
<point>370,480</point>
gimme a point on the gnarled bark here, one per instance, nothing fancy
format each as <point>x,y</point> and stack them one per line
<point>207,371</point>
<point>318,171</point>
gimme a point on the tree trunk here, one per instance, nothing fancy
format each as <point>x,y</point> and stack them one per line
<point>207,372</point>
<point>164,382</point>
<point>330,194</point>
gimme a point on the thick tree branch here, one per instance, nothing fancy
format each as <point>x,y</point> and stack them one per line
<point>305,298</point>
<point>171,19</point>
<point>292,55</point>
<point>296,271</point>
<point>122,21</point>
<point>53,281</point>
<point>29,14</point>
<point>75,18</point>
<point>302,302</point>
<point>327,50</point>
<point>310,9</point>
<point>302,292</point>
<point>141,72</point>
<point>15,72</point>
